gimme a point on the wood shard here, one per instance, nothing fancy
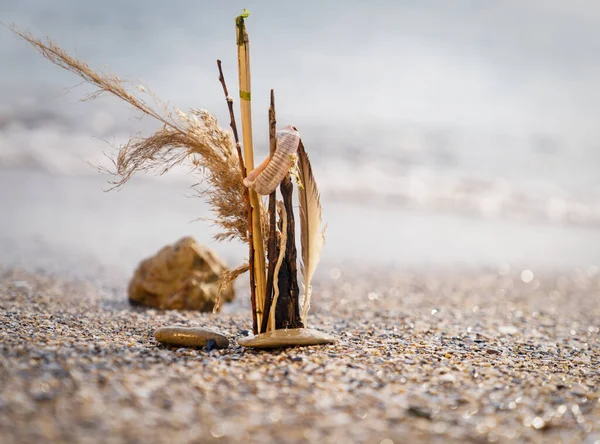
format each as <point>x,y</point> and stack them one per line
<point>287,310</point>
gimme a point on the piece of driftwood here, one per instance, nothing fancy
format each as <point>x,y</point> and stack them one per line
<point>287,310</point>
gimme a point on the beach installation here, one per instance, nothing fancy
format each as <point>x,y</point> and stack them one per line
<point>235,191</point>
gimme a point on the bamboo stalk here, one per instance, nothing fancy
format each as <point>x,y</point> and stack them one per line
<point>272,240</point>
<point>243,173</point>
<point>246,111</point>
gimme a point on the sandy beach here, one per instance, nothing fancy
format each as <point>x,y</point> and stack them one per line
<point>436,356</point>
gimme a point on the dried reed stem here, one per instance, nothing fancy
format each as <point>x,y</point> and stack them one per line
<point>225,281</point>
<point>246,111</point>
<point>243,173</point>
<point>272,241</point>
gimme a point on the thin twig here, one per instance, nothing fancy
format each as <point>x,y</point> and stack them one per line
<point>246,196</point>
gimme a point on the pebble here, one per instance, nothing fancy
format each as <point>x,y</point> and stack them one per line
<point>183,275</point>
<point>508,329</point>
<point>448,377</point>
<point>419,412</point>
<point>190,337</point>
<point>493,351</point>
<point>21,285</point>
<point>579,390</point>
<point>292,337</point>
<point>538,423</point>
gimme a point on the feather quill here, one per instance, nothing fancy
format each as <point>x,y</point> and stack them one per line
<point>311,236</point>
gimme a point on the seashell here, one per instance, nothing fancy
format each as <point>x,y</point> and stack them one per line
<point>269,174</point>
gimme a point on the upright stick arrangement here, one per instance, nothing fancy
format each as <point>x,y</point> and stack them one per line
<point>279,309</point>
<point>278,303</point>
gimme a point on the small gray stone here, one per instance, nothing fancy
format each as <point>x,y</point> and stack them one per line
<point>292,337</point>
<point>508,329</point>
<point>190,337</point>
<point>579,390</point>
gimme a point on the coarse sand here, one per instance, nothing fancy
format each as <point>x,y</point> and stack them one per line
<point>437,355</point>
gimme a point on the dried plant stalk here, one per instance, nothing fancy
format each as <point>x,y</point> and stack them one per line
<point>246,196</point>
<point>225,281</point>
<point>194,136</point>
<point>245,106</point>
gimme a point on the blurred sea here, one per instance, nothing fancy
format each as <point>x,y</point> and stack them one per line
<point>440,133</point>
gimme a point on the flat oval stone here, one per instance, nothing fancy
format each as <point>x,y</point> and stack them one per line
<point>293,337</point>
<point>190,337</point>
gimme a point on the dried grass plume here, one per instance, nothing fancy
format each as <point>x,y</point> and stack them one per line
<point>193,136</point>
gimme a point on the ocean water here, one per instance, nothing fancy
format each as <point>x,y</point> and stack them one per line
<point>439,133</point>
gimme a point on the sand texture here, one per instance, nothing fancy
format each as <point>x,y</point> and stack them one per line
<point>428,356</point>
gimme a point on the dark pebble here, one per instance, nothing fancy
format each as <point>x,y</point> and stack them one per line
<point>211,345</point>
<point>419,412</point>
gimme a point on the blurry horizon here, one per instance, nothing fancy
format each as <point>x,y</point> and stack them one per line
<point>476,109</point>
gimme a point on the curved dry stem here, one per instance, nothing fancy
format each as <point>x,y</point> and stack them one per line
<point>282,244</point>
<point>226,280</point>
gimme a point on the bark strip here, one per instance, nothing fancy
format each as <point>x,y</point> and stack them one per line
<point>272,244</point>
<point>287,311</point>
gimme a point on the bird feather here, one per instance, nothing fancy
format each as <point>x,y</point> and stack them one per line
<point>312,238</point>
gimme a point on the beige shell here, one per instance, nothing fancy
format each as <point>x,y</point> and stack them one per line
<point>265,178</point>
